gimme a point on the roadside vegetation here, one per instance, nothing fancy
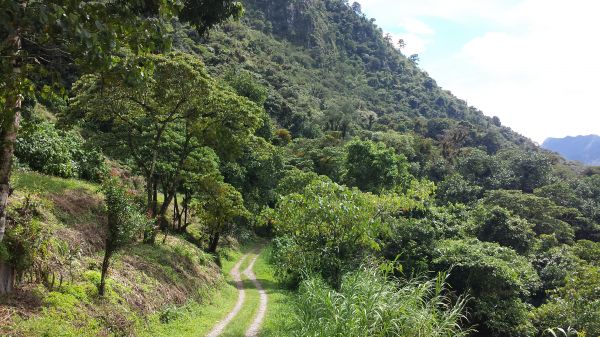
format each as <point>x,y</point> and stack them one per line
<point>147,146</point>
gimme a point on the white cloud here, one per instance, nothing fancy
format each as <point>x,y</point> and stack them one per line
<point>415,44</point>
<point>537,70</point>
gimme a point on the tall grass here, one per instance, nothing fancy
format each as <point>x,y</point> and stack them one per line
<point>368,304</point>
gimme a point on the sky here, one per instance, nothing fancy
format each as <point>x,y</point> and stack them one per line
<point>533,63</point>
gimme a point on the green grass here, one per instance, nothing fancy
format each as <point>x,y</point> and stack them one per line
<point>194,319</point>
<point>198,319</point>
<point>34,182</point>
<point>279,316</point>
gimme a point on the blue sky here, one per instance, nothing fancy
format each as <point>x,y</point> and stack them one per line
<point>533,63</point>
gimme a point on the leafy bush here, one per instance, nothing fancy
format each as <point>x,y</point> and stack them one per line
<point>368,304</point>
<point>65,154</point>
<point>125,223</point>
<point>497,278</point>
<point>46,150</point>
<point>326,229</point>
<point>575,305</point>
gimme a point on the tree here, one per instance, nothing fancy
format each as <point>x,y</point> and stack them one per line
<point>219,206</point>
<point>140,114</point>
<point>456,189</point>
<point>356,7</point>
<point>576,304</point>
<point>125,223</point>
<point>498,225</point>
<point>325,230</point>
<point>529,169</point>
<point>547,217</point>
<point>165,120</point>
<point>373,167</point>
<point>39,38</point>
<point>401,44</point>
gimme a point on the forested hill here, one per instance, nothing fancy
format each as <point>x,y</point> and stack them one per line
<point>585,149</point>
<point>326,63</point>
<point>147,145</point>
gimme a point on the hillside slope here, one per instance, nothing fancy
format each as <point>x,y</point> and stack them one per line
<point>58,296</point>
<point>585,149</point>
<point>329,67</point>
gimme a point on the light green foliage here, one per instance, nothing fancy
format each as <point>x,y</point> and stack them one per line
<point>220,205</point>
<point>373,167</point>
<point>576,304</point>
<point>588,251</point>
<point>497,278</point>
<point>294,181</point>
<point>369,304</point>
<point>48,150</point>
<point>325,229</point>
<point>32,182</point>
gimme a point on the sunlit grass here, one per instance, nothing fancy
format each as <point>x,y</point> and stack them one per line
<point>34,182</point>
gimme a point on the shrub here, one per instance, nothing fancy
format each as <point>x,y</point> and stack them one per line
<point>65,154</point>
<point>326,229</point>
<point>497,278</point>
<point>368,304</point>
<point>124,224</point>
<point>46,150</point>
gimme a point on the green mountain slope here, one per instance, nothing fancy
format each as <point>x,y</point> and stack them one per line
<point>328,67</point>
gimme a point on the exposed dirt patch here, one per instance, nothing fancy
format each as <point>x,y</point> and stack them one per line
<point>82,212</point>
<point>22,302</point>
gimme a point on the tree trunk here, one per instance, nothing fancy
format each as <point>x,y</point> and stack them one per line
<point>8,133</point>
<point>214,242</point>
<point>149,197</point>
<point>104,272</point>
<point>186,202</point>
<point>169,194</point>
<point>154,196</point>
<point>7,278</point>
<point>8,136</point>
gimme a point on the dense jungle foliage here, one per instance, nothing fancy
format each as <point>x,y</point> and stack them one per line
<point>394,208</point>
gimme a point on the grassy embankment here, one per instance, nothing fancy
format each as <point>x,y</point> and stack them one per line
<point>154,290</point>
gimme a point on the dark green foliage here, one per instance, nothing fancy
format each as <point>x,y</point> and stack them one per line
<point>411,243</point>
<point>246,85</point>
<point>455,189</point>
<point>576,304</point>
<point>496,224</point>
<point>497,278</point>
<point>555,264</point>
<point>547,217</point>
<point>27,240</point>
<point>373,167</point>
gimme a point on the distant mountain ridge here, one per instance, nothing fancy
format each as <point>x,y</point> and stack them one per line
<point>585,149</point>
